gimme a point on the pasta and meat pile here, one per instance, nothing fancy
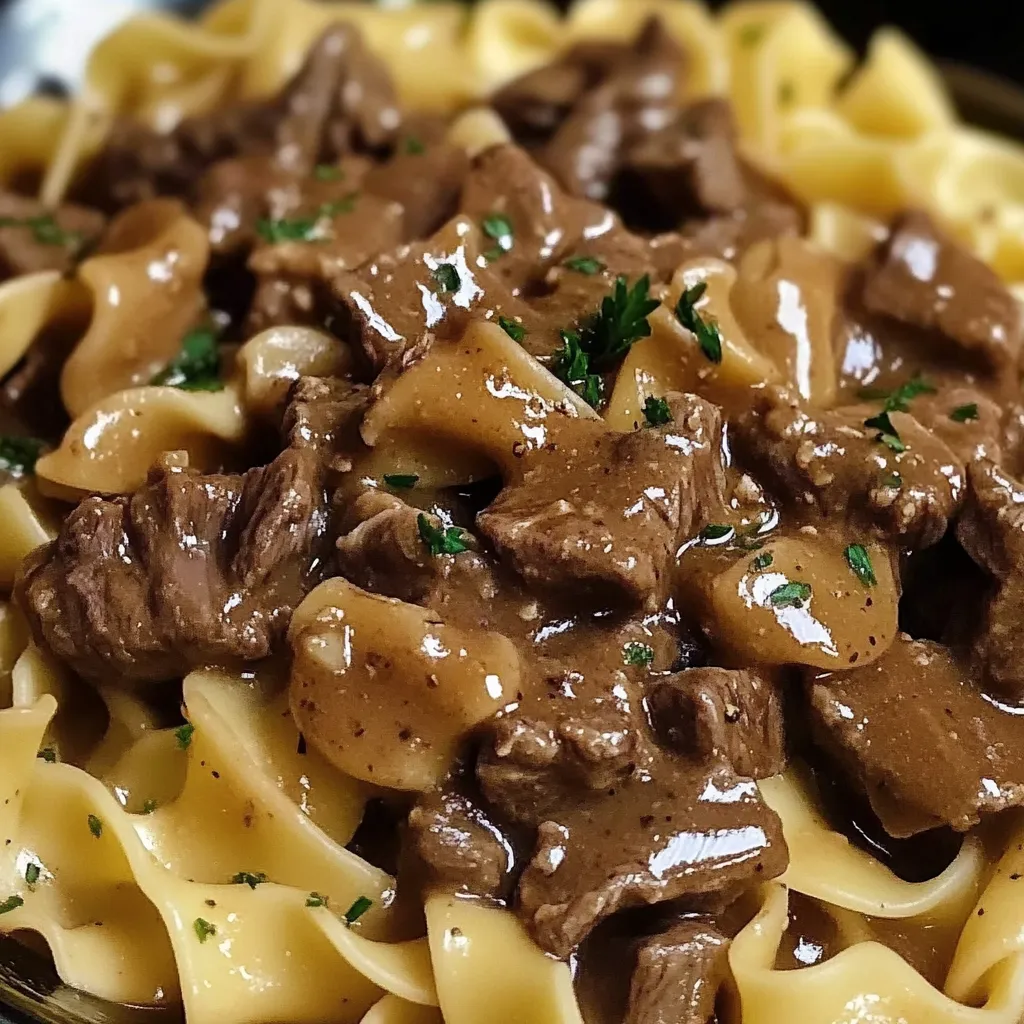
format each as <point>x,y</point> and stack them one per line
<point>513,518</point>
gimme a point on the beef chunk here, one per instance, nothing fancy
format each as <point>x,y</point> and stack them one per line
<point>462,851</point>
<point>678,974</point>
<point>923,277</point>
<point>674,832</point>
<point>915,732</point>
<point>833,464</point>
<point>192,569</point>
<point>34,238</point>
<point>562,530</point>
<point>966,419</point>
<point>731,715</point>
<point>323,415</point>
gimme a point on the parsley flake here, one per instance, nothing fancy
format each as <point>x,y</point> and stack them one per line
<point>95,826</point>
<point>303,229</point>
<point>413,146</point>
<point>11,903</point>
<point>149,807</point>
<point>858,559</point>
<point>48,754</point>
<point>790,595</point>
<point>572,365</point>
<point>183,734</point>
<point>204,929</point>
<point>498,227</point>
<point>704,330</point>
<point>588,265</point>
<point>892,480</point>
<point>32,873</point>
<point>635,653</point>
<point>762,561</point>
<point>621,322</point>
<point>358,908</point>
<point>887,433</point>
<point>896,401</point>
<point>401,481</point>
<point>18,455</point>
<point>447,277</point>
<point>963,413</point>
<point>196,367</point>
<point>314,899</point>
<point>657,411</point>
<point>45,230</point>
<point>516,331</point>
<point>715,531</point>
<point>249,878</point>
<point>440,541</point>
<point>328,172</point>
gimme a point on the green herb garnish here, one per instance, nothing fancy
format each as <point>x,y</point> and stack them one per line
<point>762,561</point>
<point>183,734</point>
<point>358,908</point>
<point>303,229</point>
<point>859,561</point>
<point>715,531</point>
<point>499,228</point>
<point>11,903</point>
<point>440,541</point>
<point>45,230</point>
<point>892,480</point>
<point>197,366</point>
<point>412,146</point>
<point>657,411</point>
<point>249,879</point>
<point>328,172</point>
<point>887,433</point>
<point>621,321</point>
<point>896,401</point>
<point>32,873</point>
<point>401,481</point>
<point>447,277</point>
<point>705,331</point>
<point>95,826</point>
<point>314,899</point>
<point>48,754</point>
<point>588,265</point>
<point>516,331</point>
<point>963,413</point>
<point>790,595</point>
<point>149,807</point>
<point>204,929</point>
<point>18,455</point>
<point>572,365</point>
<point>635,653</point>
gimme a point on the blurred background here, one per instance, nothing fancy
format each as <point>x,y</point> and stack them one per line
<point>44,42</point>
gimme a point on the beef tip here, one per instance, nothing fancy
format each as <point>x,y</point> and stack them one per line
<point>426,185</point>
<point>730,715</point>
<point>323,416</point>
<point>461,850</point>
<point>675,832</point>
<point>192,569</point>
<point>619,540</point>
<point>831,463</point>
<point>924,278</point>
<point>966,419</point>
<point>678,974</point>
<point>915,732</point>
<point>34,238</point>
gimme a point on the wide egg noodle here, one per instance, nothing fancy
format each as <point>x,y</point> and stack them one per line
<point>27,523</point>
<point>392,1010</point>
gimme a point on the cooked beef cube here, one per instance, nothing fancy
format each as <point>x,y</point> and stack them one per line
<point>604,513</point>
<point>965,418</point>
<point>34,238</point>
<point>833,464</point>
<point>674,832</point>
<point>916,733</point>
<point>462,851</point>
<point>678,974</point>
<point>283,300</point>
<point>192,569</point>
<point>923,277</point>
<point>426,185</point>
<point>730,715</point>
<point>690,168</point>
<point>323,415</point>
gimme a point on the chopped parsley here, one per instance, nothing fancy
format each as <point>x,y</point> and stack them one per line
<point>95,826</point>
<point>32,873</point>
<point>657,411</point>
<point>328,172</point>
<point>896,401</point>
<point>314,899</point>
<point>892,480</point>
<point>440,541</point>
<point>11,903</point>
<point>715,531</point>
<point>149,807</point>
<point>762,561</point>
<point>48,754</point>
<point>498,227</point>
<point>588,265</point>
<point>572,365</point>
<point>413,146</point>
<point>963,413</point>
<point>401,481</point>
<point>249,878</point>
<point>45,230</point>
<point>514,330</point>
<point>447,277</point>
<point>204,929</point>
<point>887,433</point>
<point>705,331</point>
<point>18,455</point>
<point>358,908</point>
<point>303,229</point>
<point>183,734</point>
<point>635,653</point>
<point>859,561</point>
<point>790,595</point>
<point>197,366</point>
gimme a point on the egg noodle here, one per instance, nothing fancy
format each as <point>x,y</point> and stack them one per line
<point>136,840</point>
